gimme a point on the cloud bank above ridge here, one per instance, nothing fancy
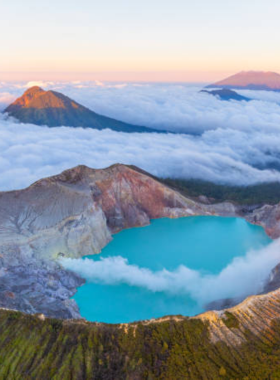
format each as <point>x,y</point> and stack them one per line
<point>238,142</point>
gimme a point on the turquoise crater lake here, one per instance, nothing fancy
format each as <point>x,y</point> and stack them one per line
<point>136,276</point>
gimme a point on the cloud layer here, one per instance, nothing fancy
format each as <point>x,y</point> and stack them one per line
<point>172,106</point>
<point>244,276</point>
<point>29,153</point>
<point>236,142</point>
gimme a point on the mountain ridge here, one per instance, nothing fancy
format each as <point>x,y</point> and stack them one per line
<point>239,343</point>
<point>226,94</point>
<point>251,80</point>
<point>54,109</point>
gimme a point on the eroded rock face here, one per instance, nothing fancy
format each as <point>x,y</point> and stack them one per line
<point>268,217</point>
<point>273,281</point>
<point>75,214</point>
<point>39,287</point>
<point>254,315</point>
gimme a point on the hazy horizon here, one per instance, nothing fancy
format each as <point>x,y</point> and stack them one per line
<point>162,41</point>
<point>200,78</point>
<point>117,77</point>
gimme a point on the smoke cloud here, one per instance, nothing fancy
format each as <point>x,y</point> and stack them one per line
<point>242,277</point>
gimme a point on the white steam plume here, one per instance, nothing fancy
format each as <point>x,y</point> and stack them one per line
<point>242,277</point>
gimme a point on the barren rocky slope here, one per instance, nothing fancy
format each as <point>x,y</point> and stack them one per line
<point>75,214</point>
<point>251,80</point>
<point>54,109</point>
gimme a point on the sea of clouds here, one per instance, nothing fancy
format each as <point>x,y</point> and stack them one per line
<point>243,276</point>
<point>227,142</point>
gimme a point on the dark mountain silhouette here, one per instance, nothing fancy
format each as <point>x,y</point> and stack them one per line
<point>251,80</point>
<point>226,94</point>
<point>54,109</point>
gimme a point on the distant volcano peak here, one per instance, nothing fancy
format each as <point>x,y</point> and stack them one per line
<point>33,90</point>
<point>53,109</point>
<point>27,97</point>
<point>251,80</point>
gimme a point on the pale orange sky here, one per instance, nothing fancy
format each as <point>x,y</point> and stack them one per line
<point>126,40</point>
<point>157,76</point>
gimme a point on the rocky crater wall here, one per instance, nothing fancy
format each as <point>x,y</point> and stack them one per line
<point>75,214</point>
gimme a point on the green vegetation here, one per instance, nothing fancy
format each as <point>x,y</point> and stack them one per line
<point>31,348</point>
<point>230,320</point>
<point>265,193</point>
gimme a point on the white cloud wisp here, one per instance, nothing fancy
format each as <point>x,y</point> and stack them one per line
<point>242,277</point>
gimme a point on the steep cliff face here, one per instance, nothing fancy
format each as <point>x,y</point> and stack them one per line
<point>254,315</point>
<point>130,198</point>
<point>74,213</point>
<point>268,217</point>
